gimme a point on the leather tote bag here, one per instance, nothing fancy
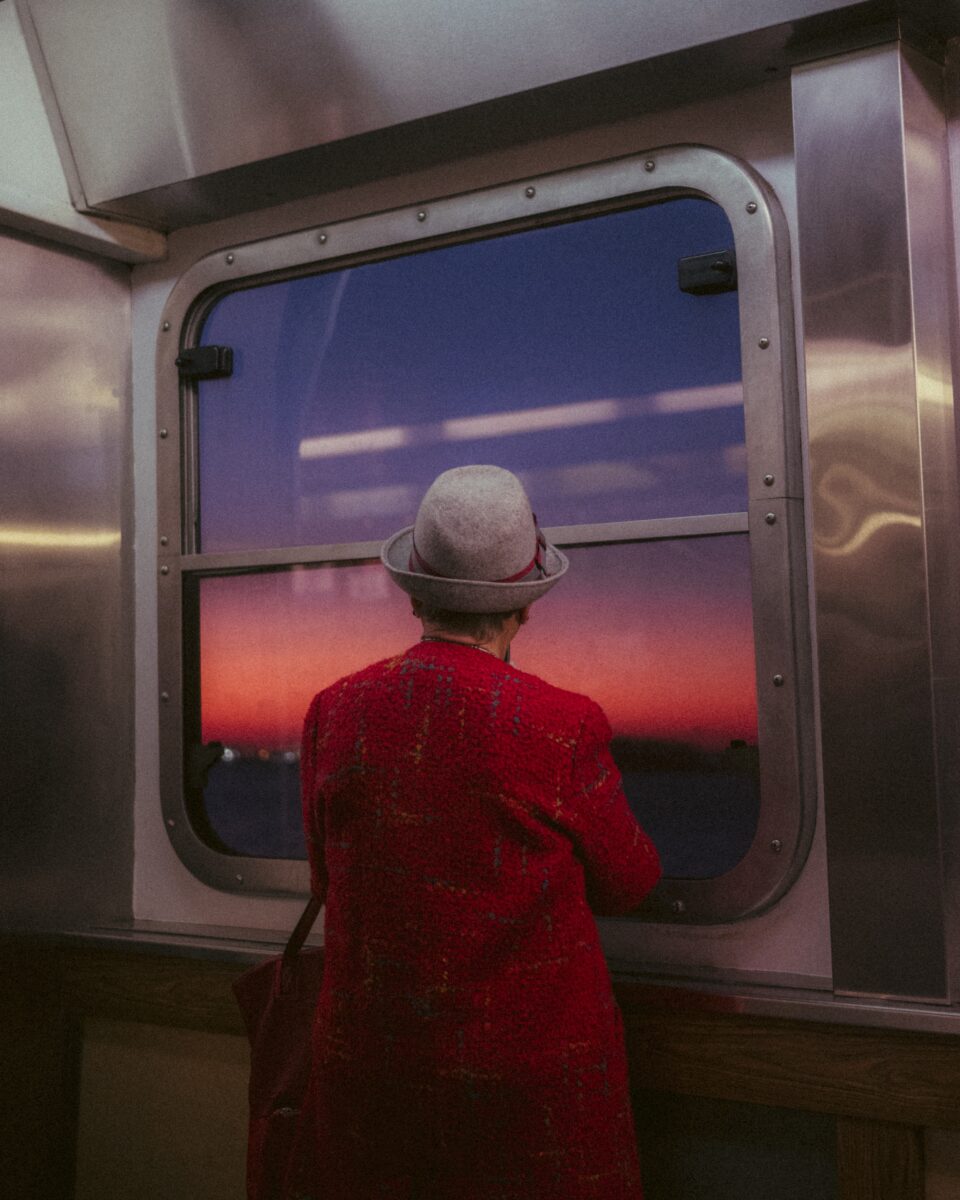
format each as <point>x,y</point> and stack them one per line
<point>277,1000</point>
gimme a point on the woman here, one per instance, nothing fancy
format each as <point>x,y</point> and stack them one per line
<point>463,818</point>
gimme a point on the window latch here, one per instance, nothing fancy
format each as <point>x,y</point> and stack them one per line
<point>200,759</point>
<point>708,274</point>
<point>206,362</point>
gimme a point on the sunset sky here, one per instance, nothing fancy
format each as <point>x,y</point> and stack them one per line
<point>659,634</point>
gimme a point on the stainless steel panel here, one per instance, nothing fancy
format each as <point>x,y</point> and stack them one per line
<point>66,824</point>
<point>874,243</point>
<point>34,196</point>
<point>927,175</point>
<point>173,93</point>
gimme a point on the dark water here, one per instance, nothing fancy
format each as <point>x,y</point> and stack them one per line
<point>254,807</point>
<point>700,810</point>
<point>702,825</point>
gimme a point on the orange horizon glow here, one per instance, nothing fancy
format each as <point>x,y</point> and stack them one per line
<point>669,658</point>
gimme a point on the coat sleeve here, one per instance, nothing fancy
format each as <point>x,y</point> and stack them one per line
<point>621,864</point>
<point>313,817</point>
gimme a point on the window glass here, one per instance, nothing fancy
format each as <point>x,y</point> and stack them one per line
<point>268,642</point>
<point>660,633</point>
<point>567,354</point>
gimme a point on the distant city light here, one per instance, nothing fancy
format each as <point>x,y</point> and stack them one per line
<point>228,755</point>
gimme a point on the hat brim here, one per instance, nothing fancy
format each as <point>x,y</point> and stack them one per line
<point>467,595</point>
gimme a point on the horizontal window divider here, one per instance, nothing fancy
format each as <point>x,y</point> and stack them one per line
<point>604,533</point>
<point>601,534</point>
<point>651,530</point>
<point>286,556</point>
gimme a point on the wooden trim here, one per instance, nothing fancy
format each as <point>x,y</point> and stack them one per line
<point>871,1074</point>
<point>188,993</point>
<point>877,1160</point>
<point>849,1071</point>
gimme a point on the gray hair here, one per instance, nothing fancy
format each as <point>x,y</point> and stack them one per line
<point>482,627</point>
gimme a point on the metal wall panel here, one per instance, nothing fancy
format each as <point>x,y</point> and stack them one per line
<point>65,628</point>
<point>171,93</point>
<point>874,253</point>
<point>35,197</point>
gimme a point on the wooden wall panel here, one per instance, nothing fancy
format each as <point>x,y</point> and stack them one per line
<point>189,993</point>
<point>38,1057</point>
<point>878,1160</point>
<point>884,1075</point>
<point>941,1153</point>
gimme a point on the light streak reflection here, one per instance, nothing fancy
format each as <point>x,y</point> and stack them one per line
<point>529,420</point>
<point>25,537</point>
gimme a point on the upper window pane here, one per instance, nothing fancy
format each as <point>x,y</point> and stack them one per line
<point>566,354</point>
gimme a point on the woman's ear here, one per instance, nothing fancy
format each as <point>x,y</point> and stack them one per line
<point>415,606</point>
<point>523,615</point>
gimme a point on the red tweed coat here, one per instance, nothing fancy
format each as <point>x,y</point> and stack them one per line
<point>464,817</point>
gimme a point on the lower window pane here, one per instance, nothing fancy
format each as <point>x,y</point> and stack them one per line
<point>268,643</point>
<point>660,633</point>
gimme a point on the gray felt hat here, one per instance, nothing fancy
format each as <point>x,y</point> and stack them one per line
<point>476,545</point>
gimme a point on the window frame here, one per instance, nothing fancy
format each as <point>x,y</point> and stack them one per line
<point>774,516</point>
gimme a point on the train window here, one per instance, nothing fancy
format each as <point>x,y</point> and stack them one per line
<point>567,350</point>
<point>568,355</point>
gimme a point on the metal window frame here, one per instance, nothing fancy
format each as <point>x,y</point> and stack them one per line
<point>774,517</point>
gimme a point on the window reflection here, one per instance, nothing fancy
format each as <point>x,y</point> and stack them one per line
<point>566,354</point>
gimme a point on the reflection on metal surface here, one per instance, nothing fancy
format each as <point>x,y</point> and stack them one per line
<point>868,528</point>
<point>58,539</point>
<point>175,90</point>
<point>66,844</point>
<point>870,138</point>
